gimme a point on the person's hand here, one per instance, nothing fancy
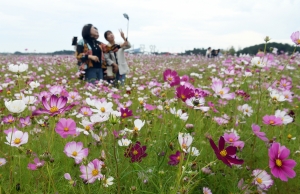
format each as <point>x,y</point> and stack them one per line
<point>82,67</point>
<point>115,68</point>
<point>122,34</point>
<point>94,58</point>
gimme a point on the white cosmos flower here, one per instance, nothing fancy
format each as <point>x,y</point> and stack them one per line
<point>193,151</point>
<point>258,62</point>
<point>277,96</point>
<point>286,119</point>
<point>29,99</point>
<point>197,103</point>
<point>16,138</point>
<point>138,124</point>
<point>16,106</point>
<point>246,109</point>
<point>97,118</point>
<point>185,140</point>
<point>179,113</point>
<point>124,142</point>
<point>103,107</point>
<point>2,161</point>
<point>108,181</point>
<point>34,84</point>
<point>18,68</point>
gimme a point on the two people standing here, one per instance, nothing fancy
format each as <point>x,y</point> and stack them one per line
<point>94,56</point>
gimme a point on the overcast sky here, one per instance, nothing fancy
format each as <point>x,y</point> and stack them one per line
<point>170,25</point>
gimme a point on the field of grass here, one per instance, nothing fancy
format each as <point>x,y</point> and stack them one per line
<point>214,99</point>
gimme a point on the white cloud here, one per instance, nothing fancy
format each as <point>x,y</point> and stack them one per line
<point>171,25</point>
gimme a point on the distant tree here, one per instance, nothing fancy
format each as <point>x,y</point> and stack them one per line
<point>231,50</point>
<point>252,50</point>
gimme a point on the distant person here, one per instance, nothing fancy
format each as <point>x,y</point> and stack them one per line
<point>117,58</point>
<point>213,53</point>
<point>260,53</point>
<point>219,53</point>
<point>89,52</point>
<point>208,53</point>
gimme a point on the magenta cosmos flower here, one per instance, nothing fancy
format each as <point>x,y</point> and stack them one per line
<point>57,105</point>
<point>281,167</point>
<point>184,93</point>
<point>171,77</point>
<point>92,171</point>
<point>136,152</point>
<point>125,112</point>
<point>226,155</point>
<point>37,164</point>
<point>260,135</point>
<point>76,151</point>
<point>65,127</point>
<point>296,37</point>
<point>174,159</point>
<point>272,120</point>
<point>8,119</point>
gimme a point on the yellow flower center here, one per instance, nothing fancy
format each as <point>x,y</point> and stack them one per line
<point>298,41</point>
<point>289,136</point>
<point>74,153</point>
<point>95,172</point>
<point>286,96</point>
<point>170,78</point>
<point>246,110</point>
<point>183,96</point>
<point>102,109</point>
<point>258,62</point>
<point>17,141</point>
<point>135,152</point>
<point>66,129</point>
<point>124,115</point>
<point>279,162</point>
<point>230,139</point>
<point>259,180</point>
<point>85,113</point>
<point>178,158</point>
<point>87,128</point>
<point>10,120</point>
<point>184,146</point>
<point>271,122</point>
<point>53,109</point>
<point>284,84</point>
<point>72,97</point>
<point>135,129</point>
<point>223,153</point>
<point>221,92</point>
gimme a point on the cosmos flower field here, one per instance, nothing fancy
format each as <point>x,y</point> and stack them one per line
<point>180,124</point>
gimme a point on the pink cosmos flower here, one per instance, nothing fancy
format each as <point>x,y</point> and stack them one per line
<point>25,121</point>
<point>56,106</point>
<point>217,87</point>
<point>65,127</point>
<point>272,120</point>
<point>220,120</point>
<point>185,78</point>
<point>171,77</point>
<point>37,164</point>
<point>55,90</point>
<point>260,135</point>
<point>16,138</point>
<point>85,111</point>
<point>296,37</point>
<point>281,167</point>
<point>206,190</point>
<point>76,151</point>
<point>92,171</point>
<point>184,93</point>
<point>231,138</point>
<point>285,84</point>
